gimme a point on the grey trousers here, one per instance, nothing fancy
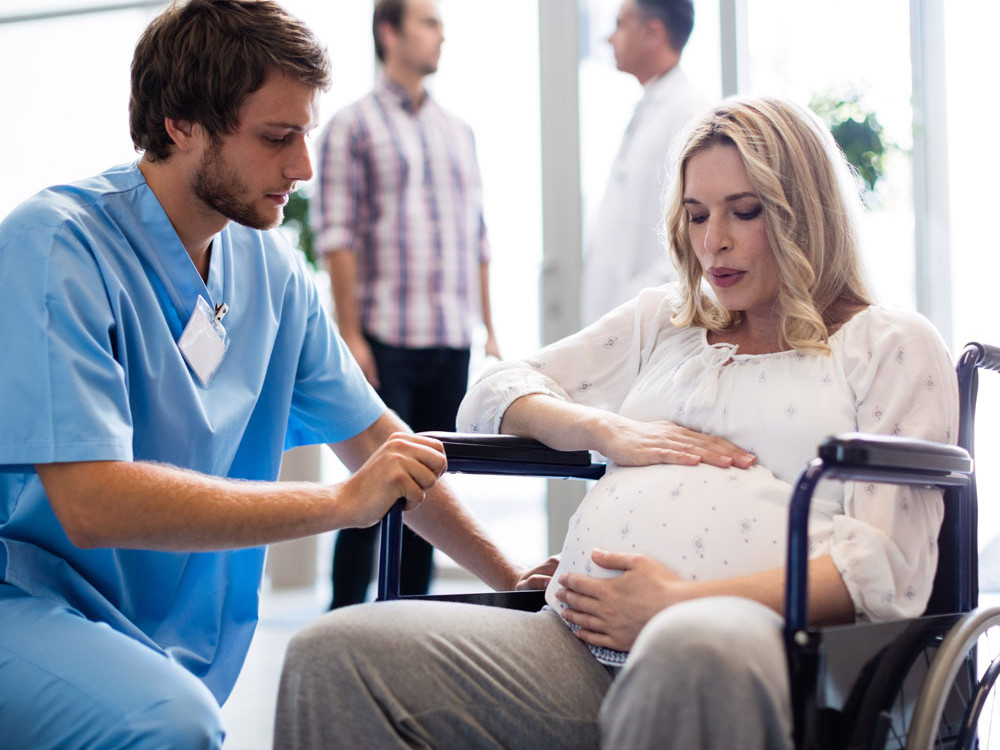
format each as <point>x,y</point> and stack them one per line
<point>708,673</point>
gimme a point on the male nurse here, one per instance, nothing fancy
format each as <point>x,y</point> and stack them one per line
<point>162,347</point>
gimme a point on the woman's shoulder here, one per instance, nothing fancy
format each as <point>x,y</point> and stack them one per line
<point>660,302</point>
<point>879,330</point>
<point>883,320</point>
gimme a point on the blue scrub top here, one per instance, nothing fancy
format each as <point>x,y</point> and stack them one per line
<point>95,290</point>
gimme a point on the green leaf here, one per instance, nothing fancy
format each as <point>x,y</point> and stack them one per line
<point>297,219</point>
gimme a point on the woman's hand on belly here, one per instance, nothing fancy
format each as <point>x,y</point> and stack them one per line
<point>610,612</point>
<point>628,442</point>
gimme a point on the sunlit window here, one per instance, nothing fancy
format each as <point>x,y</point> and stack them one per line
<point>974,157</point>
<point>838,52</point>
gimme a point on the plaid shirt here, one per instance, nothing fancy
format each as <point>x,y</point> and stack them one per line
<point>401,189</point>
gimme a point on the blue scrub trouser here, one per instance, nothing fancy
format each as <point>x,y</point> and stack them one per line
<point>67,682</point>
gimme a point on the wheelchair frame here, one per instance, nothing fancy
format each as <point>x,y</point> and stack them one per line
<point>837,702</point>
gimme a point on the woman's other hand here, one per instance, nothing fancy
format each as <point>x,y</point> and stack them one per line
<point>610,612</point>
<point>628,442</point>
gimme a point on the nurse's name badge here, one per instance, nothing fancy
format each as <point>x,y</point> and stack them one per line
<point>204,341</point>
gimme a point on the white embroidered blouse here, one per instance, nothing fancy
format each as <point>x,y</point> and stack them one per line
<point>888,373</point>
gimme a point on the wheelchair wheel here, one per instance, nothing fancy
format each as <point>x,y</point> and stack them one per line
<point>957,706</point>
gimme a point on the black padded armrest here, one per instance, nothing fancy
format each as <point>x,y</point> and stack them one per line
<point>476,453</point>
<point>872,458</point>
<point>894,454</point>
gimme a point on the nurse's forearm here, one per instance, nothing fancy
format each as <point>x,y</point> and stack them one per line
<point>153,506</point>
<point>443,522</point>
<point>156,506</point>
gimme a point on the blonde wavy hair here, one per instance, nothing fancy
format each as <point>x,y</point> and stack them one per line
<point>811,204</point>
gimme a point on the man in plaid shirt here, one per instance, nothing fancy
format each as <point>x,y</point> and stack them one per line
<point>400,223</point>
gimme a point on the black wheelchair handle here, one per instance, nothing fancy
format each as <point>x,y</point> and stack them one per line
<point>389,552</point>
<point>989,356</point>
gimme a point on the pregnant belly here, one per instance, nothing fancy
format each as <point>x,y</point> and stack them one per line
<point>702,522</point>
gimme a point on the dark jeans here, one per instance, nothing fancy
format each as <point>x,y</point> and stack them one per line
<point>424,387</point>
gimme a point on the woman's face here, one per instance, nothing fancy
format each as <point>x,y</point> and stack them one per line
<point>726,229</point>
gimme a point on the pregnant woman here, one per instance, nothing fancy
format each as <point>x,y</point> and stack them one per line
<point>706,396</point>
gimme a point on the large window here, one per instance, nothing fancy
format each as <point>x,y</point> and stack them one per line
<point>973,158</point>
<point>65,93</point>
<point>488,76</point>
<point>860,50</point>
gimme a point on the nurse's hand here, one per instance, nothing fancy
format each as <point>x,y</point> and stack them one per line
<point>539,576</point>
<point>628,442</point>
<point>404,466</point>
<point>612,611</point>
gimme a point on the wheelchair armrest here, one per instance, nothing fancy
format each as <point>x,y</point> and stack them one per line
<point>853,452</point>
<point>475,453</point>
<point>873,458</point>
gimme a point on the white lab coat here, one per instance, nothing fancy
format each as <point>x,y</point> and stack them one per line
<point>623,250</point>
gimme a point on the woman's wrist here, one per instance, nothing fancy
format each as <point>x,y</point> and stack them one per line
<point>598,429</point>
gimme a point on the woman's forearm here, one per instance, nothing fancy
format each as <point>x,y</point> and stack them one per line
<point>829,600</point>
<point>559,424</point>
<point>565,425</point>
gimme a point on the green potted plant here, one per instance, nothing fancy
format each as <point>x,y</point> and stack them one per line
<point>859,134</point>
<point>297,223</point>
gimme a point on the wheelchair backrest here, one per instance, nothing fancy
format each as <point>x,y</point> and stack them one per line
<point>956,584</point>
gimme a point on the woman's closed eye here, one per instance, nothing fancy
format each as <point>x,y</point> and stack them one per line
<point>749,214</point>
<point>743,214</point>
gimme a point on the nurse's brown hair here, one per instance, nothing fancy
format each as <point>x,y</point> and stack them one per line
<point>200,59</point>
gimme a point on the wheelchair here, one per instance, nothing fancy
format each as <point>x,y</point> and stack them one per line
<point>915,684</point>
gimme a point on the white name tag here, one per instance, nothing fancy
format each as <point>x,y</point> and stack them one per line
<point>204,341</point>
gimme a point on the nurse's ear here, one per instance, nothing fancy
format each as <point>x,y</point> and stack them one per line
<point>186,134</point>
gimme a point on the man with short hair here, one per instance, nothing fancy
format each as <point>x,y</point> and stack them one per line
<point>399,218</point>
<point>624,253</point>
<point>163,347</point>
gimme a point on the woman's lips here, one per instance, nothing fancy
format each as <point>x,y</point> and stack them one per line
<point>725,277</point>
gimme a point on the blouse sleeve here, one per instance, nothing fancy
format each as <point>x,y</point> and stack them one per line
<point>885,543</point>
<point>595,367</point>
